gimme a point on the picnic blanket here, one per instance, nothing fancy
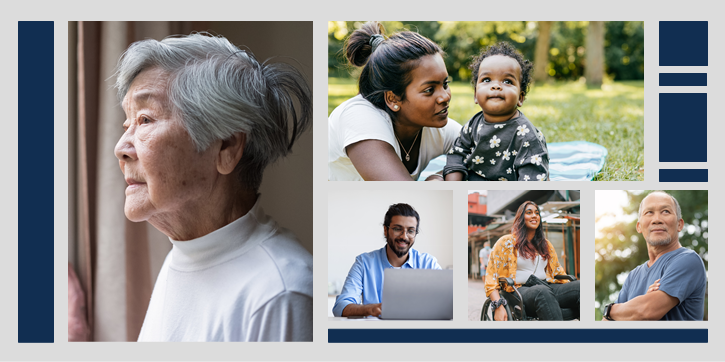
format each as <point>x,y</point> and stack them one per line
<point>568,161</point>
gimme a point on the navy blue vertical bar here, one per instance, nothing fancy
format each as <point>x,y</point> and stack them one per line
<point>683,127</point>
<point>683,79</point>
<point>681,175</point>
<point>673,37</point>
<point>35,181</point>
<point>517,335</point>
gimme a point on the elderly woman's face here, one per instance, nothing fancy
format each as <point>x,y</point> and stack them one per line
<point>166,176</point>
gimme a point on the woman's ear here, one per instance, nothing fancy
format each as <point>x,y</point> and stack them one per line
<point>392,101</point>
<point>231,152</point>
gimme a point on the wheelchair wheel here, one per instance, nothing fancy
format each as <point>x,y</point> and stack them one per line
<point>487,313</point>
<point>484,311</point>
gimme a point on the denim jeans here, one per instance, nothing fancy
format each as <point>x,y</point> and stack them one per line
<point>546,303</point>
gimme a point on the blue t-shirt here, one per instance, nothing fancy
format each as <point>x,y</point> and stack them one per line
<point>366,277</point>
<point>682,275</point>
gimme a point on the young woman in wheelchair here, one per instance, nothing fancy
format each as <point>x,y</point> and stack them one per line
<point>527,259</point>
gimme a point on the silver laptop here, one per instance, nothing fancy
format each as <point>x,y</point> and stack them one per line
<point>417,294</point>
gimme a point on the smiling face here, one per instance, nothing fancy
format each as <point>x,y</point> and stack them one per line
<point>166,176</point>
<point>498,88</point>
<point>658,221</point>
<point>532,219</point>
<point>427,96</point>
<point>400,235</point>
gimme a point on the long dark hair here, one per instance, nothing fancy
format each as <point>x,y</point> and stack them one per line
<point>537,244</point>
<point>388,67</point>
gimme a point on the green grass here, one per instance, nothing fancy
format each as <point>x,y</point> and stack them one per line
<point>612,117</point>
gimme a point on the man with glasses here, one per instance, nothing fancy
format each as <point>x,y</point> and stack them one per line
<point>362,293</point>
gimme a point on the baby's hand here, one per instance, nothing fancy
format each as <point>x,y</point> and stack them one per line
<point>654,287</point>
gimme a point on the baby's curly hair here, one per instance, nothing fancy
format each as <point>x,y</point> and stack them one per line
<point>504,48</point>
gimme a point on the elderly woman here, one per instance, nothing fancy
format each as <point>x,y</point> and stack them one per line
<point>399,121</point>
<point>530,260</point>
<point>203,120</point>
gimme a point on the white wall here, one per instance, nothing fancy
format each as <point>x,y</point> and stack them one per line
<point>355,226</point>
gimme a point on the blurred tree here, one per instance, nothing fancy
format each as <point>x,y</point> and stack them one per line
<point>541,57</point>
<point>464,40</point>
<point>623,45</point>
<point>621,248</point>
<point>595,54</point>
<point>624,54</point>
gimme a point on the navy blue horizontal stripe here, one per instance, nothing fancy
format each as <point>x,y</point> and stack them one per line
<point>683,127</point>
<point>683,43</point>
<point>673,175</point>
<point>35,183</point>
<point>683,79</point>
<point>517,335</point>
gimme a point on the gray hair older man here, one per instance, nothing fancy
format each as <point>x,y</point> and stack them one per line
<point>203,120</point>
<point>671,284</point>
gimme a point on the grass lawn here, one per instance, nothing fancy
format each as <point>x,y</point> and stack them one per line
<point>612,117</point>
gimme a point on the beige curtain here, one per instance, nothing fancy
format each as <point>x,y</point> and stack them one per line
<point>117,261</point>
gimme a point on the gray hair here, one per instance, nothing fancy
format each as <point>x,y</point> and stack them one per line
<point>677,205</point>
<point>217,89</point>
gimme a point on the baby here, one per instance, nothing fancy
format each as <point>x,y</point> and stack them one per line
<point>499,143</point>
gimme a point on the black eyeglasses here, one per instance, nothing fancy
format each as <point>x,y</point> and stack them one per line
<point>412,232</point>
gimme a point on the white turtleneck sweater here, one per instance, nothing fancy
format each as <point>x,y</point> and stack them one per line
<point>251,280</point>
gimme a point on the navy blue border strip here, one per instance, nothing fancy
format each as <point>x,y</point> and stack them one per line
<point>683,79</point>
<point>35,181</point>
<point>673,132</point>
<point>517,335</point>
<point>675,33</point>
<point>682,175</point>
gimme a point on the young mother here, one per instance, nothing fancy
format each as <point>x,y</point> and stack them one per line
<point>399,121</point>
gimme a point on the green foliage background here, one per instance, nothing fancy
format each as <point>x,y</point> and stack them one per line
<point>623,45</point>
<point>620,248</point>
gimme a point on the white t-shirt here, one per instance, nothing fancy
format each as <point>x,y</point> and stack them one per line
<point>357,120</point>
<point>248,281</point>
<point>526,267</point>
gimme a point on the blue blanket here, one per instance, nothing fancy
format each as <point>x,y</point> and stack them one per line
<point>568,161</point>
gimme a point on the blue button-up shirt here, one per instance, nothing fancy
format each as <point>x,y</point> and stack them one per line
<point>365,278</point>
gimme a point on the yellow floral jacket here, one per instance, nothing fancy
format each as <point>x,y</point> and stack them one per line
<point>502,262</point>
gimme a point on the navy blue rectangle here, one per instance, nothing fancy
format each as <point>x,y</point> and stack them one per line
<point>683,79</point>
<point>517,335</point>
<point>673,37</point>
<point>671,175</point>
<point>683,127</point>
<point>35,181</point>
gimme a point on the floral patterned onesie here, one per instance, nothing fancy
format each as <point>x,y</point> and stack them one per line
<point>507,151</point>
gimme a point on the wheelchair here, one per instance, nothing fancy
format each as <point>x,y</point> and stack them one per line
<point>515,301</point>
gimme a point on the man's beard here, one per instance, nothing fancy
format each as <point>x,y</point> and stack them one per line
<point>665,241</point>
<point>393,247</point>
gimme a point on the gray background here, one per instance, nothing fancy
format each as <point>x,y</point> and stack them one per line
<point>320,12</point>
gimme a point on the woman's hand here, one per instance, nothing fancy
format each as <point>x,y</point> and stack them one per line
<point>654,287</point>
<point>435,177</point>
<point>500,314</point>
<point>376,160</point>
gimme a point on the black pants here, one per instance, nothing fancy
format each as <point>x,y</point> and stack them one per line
<point>546,303</point>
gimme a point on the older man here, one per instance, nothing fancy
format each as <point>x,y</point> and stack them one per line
<point>671,284</point>
<point>365,278</point>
